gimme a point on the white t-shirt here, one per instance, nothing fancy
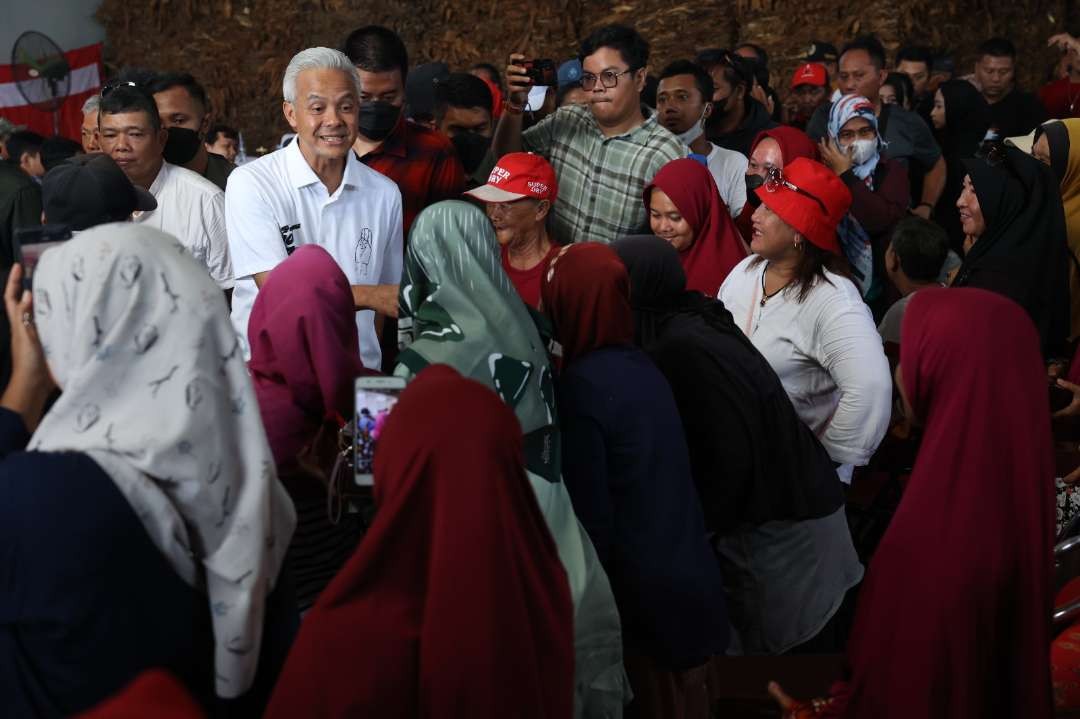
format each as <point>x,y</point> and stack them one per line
<point>728,168</point>
<point>276,203</point>
<point>827,353</point>
<point>192,209</point>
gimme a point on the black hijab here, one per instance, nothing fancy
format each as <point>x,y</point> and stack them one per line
<point>967,118</point>
<point>1057,137</point>
<point>753,459</point>
<point>1023,252</point>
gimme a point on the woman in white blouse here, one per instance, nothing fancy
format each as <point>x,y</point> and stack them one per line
<point>792,300</point>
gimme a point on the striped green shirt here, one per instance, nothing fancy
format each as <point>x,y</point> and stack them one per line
<point>600,178</point>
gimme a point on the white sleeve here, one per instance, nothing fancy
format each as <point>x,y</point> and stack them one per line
<point>254,239</point>
<point>850,350</point>
<point>393,253</point>
<point>217,251</point>
<point>735,193</point>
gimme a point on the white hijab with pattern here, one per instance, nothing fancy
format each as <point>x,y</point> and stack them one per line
<point>155,391</point>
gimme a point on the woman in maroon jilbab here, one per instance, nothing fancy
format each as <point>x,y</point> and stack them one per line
<point>954,614</point>
<point>715,246</point>
<point>455,604</point>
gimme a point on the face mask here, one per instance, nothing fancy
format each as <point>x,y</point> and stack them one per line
<point>864,151</point>
<point>182,146</point>
<point>696,130</point>
<point>378,119</point>
<point>471,148</point>
<point>752,183</point>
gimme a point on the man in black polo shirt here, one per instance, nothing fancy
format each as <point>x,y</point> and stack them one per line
<point>1013,111</point>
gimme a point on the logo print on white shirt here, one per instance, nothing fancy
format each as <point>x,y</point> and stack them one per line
<point>287,236</point>
<point>363,253</point>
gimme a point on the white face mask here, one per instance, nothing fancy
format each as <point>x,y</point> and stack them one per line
<point>695,131</point>
<point>864,151</point>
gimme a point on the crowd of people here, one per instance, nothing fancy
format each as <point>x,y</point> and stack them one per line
<point>680,325</point>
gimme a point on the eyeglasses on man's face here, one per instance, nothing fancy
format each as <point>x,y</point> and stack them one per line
<point>608,79</point>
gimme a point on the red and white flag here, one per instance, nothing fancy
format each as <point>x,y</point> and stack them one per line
<point>86,74</point>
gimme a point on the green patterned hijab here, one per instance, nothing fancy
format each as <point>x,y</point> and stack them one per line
<point>458,307</point>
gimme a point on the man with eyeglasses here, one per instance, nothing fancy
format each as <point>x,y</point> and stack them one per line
<point>603,154</point>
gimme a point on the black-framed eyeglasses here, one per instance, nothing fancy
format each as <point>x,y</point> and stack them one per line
<point>775,180</point>
<point>608,79</point>
<point>105,90</point>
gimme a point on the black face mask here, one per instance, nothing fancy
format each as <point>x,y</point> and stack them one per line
<point>182,146</point>
<point>471,148</point>
<point>752,183</point>
<point>378,119</point>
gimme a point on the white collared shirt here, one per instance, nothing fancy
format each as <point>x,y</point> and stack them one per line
<point>276,203</point>
<point>826,352</point>
<point>192,209</point>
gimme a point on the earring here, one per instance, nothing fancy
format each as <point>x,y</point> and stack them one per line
<point>795,242</point>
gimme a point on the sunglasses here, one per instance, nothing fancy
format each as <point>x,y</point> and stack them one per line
<point>775,180</point>
<point>107,89</point>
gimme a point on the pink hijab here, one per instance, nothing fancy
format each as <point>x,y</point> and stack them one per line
<point>304,349</point>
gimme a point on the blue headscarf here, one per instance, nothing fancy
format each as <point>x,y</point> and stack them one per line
<point>843,110</point>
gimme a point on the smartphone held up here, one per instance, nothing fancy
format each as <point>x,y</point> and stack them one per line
<point>375,399</point>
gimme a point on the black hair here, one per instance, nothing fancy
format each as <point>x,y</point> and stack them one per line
<point>168,80</point>
<point>813,262</point>
<point>124,98</point>
<point>23,141</point>
<point>921,246</point>
<point>905,89</point>
<point>375,48</point>
<point>225,130</point>
<point>997,47</point>
<point>491,70</point>
<point>915,53</point>
<point>460,89</point>
<point>56,150</point>
<point>759,51</point>
<point>564,90</point>
<point>737,70</point>
<point>633,48</point>
<point>871,46</point>
<point>702,79</point>
<point>648,93</point>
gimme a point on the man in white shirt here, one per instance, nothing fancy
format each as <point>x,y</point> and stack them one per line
<point>315,191</point>
<point>682,105</point>
<point>190,208</point>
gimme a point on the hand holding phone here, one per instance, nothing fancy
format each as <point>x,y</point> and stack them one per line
<point>541,72</point>
<point>375,399</point>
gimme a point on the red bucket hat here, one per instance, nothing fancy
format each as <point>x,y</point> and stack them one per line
<point>809,197</point>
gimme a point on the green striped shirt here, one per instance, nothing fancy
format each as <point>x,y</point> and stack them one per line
<point>600,178</point>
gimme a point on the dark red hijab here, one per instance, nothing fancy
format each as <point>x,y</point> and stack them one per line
<point>954,613</point>
<point>717,247</point>
<point>455,604</point>
<point>304,349</point>
<point>793,143</point>
<point>586,294</point>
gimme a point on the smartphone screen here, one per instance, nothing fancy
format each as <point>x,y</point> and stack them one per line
<point>31,243</point>
<point>375,399</point>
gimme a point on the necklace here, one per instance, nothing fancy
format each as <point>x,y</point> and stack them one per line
<point>765,296</point>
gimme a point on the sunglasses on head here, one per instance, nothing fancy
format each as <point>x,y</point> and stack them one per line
<point>107,89</point>
<point>775,180</point>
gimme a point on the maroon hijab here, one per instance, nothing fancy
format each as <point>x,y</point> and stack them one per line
<point>793,143</point>
<point>305,353</point>
<point>717,247</point>
<point>455,604</point>
<point>954,613</point>
<point>586,294</point>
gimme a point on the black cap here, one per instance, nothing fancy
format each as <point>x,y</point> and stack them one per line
<point>420,88</point>
<point>822,52</point>
<point>90,190</point>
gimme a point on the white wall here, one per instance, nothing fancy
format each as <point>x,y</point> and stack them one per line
<point>70,23</point>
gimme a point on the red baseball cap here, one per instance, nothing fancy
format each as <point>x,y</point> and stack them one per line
<point>518,175</point>
<point>812,73</point>
<point>810,198</point>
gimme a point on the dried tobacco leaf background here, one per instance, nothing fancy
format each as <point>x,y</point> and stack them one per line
<point>239,48</point>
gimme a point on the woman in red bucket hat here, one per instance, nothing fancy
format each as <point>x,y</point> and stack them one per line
<point>794,301</point>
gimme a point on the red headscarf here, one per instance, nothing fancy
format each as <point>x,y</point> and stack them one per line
<point>154,693</point>
<point>717,247</point>
<point>954,613</point>
<point>793,143</point>
<point>455,604</point>
<point>586,293</point>
<point>304,349</point>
